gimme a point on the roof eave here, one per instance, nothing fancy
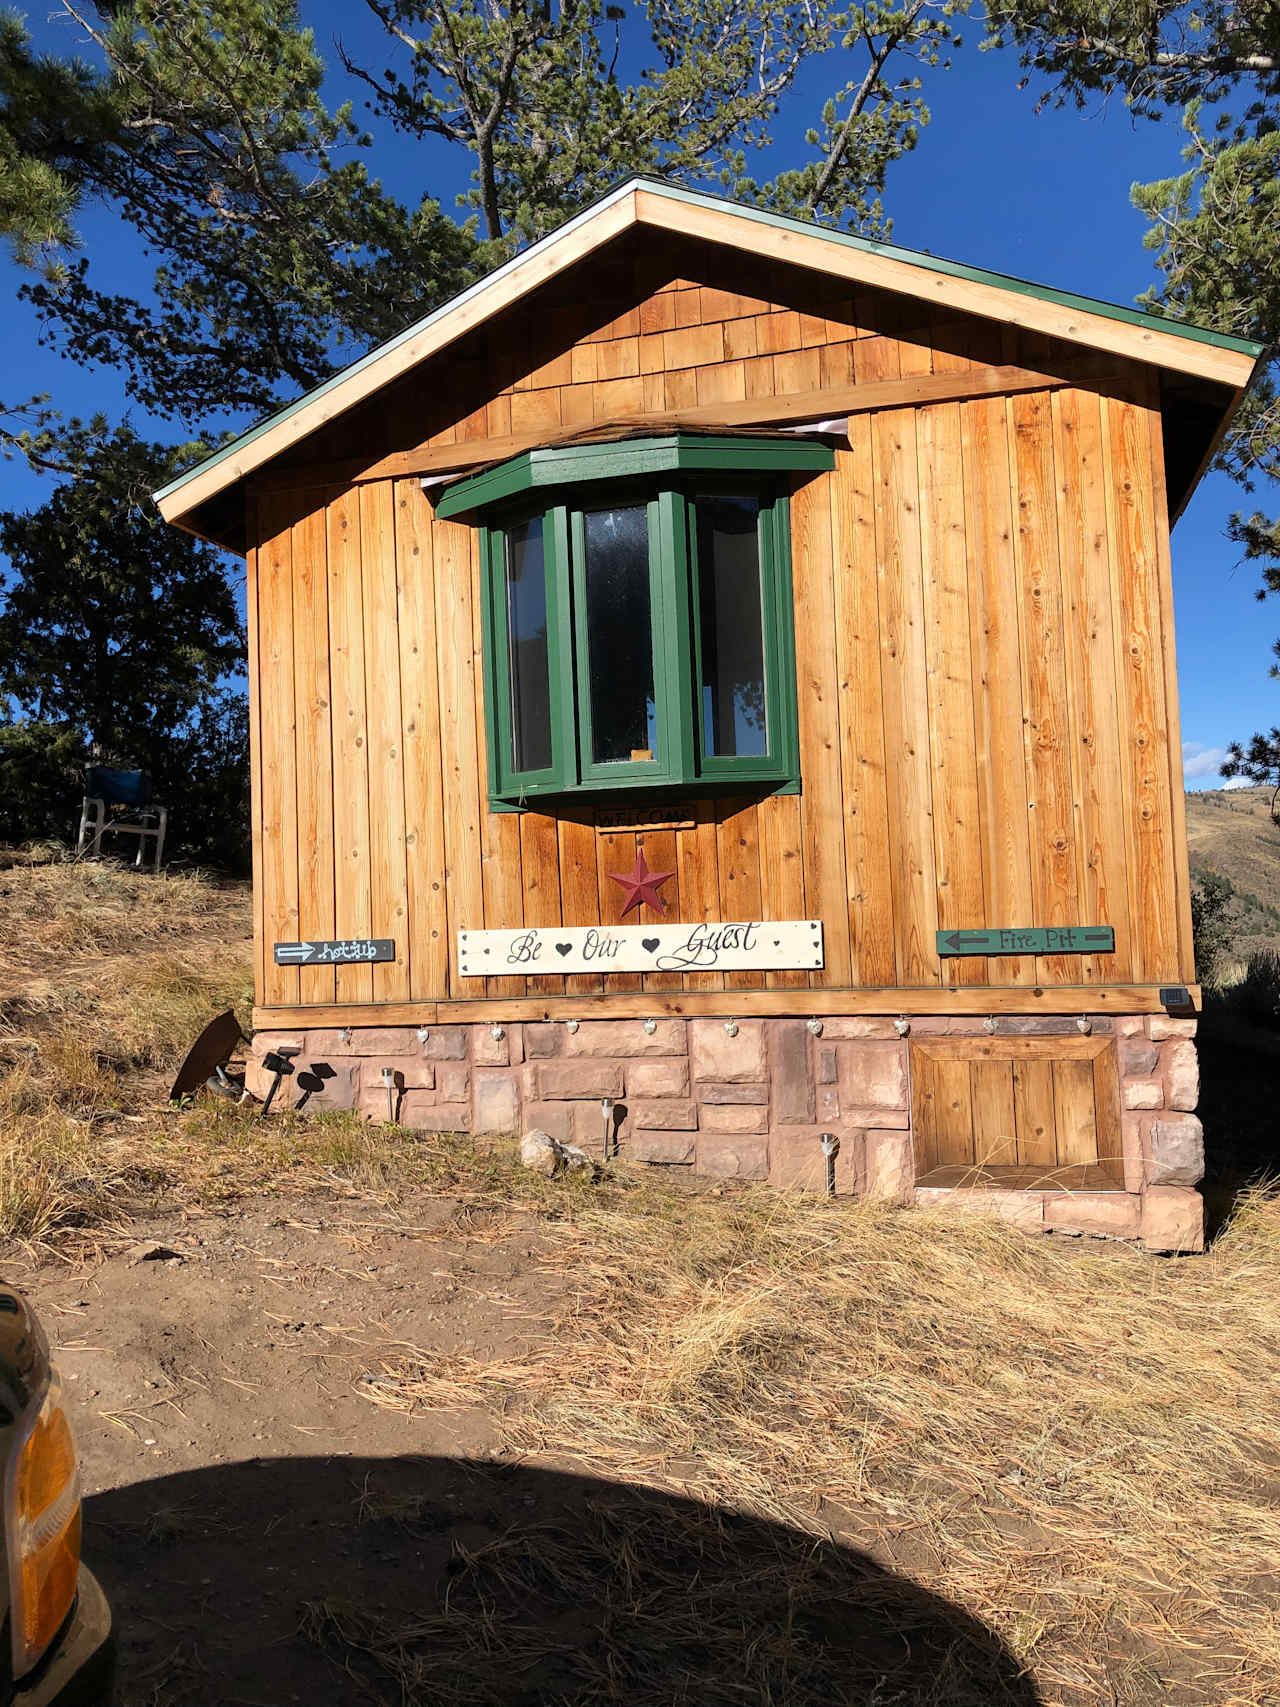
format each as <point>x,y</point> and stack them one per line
<point>286,427</point>
<point>1111,327</point>
<point>1171,345</point>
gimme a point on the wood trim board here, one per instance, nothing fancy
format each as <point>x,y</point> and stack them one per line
<point>701,217</point>
<point>1077,1048</point>
<point>1070,1181</point>
<point>974,1001</point>
<point>868,397</point>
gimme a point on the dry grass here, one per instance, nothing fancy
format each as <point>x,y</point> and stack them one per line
<point>120,960</point>
<point>1230,831</point>
<point>623,1596</point>
<point>106,977</point>
<point>220,1151</point>
<point>1077,1443</point>
<point>83,908</point>
<point>50,1177</point>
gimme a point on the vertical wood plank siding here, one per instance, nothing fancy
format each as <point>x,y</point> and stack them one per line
<point>914,891</point>
<point>314,738</point>
<point>818,688</point>
<point>277,742</point>
<point>388,864</point>
<point>253,593</point>
<point>1005,854</point>
<point>862,733</point>
<point>1044,686</point>
<point>1091,668</point>
<point>461,707</point>
<point>428,936</point>
<point>782,893</point>
<point>987,698</point>
<point>353,910</point>
<point>579,891</point>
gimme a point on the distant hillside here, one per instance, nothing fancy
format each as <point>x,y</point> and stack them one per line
<point>1230,831</point>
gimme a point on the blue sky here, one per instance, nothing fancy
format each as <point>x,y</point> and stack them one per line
<point>1044,196</point>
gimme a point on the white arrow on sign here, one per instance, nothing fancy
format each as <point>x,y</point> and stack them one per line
<point>293,950</point>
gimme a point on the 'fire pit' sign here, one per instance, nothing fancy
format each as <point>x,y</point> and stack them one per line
<point>749,945</point>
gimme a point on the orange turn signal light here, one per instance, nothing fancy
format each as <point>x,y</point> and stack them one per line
<point>44,1532</point>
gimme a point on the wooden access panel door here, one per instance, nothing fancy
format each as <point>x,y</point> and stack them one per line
<point>1017,1111</point>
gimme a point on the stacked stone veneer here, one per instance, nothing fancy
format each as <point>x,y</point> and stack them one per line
<point>753,1103</point>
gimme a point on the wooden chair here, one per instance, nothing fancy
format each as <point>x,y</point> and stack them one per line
<point>119,803</point>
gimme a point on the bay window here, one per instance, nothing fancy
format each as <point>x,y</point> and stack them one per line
<point>638,626</point>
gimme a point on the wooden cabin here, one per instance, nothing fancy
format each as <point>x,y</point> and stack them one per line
<point>713,687</point>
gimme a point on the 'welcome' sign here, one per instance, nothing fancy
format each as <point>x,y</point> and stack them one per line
<point>750,945</point>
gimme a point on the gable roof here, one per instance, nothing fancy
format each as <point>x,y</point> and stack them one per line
<point>1172,345</point>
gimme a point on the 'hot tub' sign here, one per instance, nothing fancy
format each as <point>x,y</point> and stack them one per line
<point>751,945</point>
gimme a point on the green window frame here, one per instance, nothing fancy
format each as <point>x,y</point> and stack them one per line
<point>668,477</point>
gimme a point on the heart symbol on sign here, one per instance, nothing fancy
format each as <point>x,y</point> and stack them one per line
<point>563,947</point>
<point>650,942</point>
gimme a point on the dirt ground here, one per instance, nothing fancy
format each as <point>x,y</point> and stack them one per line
<point>268,1534</point>
<point>240,1339</point>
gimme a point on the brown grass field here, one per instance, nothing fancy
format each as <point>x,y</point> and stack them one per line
<point>1074,1443</point>
<point>1230,831</point>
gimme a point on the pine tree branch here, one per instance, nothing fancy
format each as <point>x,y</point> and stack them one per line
<point>879,57</point>
<point>485,134</point>
<point>1213,64</point>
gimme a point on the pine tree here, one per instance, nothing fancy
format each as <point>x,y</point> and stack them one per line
<point>204,131</point>
<point>206,135</point>
<point>537,96</point>
<point>111,620</point>
<point>1259,762</point>
<point>200,126</point>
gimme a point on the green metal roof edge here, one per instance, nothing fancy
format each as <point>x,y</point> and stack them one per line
<point>781,222</point>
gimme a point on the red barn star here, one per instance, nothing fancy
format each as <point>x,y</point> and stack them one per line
<point>641,886</point>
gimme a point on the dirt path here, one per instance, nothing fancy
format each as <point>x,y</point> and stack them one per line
<point>249,1347</point>
<point>251,1341</point>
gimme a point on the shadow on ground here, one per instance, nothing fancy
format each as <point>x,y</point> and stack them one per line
<point>1239,1080</point>
<point>420,1580</point>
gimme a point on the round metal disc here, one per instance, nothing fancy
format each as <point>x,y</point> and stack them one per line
<point>213,1046</point>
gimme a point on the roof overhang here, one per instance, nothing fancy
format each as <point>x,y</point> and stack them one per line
<point>1209,358</point>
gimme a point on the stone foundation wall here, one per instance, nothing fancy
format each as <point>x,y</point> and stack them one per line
<point>750,1099</point>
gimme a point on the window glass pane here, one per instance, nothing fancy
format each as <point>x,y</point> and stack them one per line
<point>732,627</point>
<point>526,592</point>
<point>624,722</point>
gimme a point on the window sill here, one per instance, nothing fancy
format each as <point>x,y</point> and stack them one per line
<point>599,793</point>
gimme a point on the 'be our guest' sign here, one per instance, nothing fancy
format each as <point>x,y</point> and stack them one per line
<point>761,945</point>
